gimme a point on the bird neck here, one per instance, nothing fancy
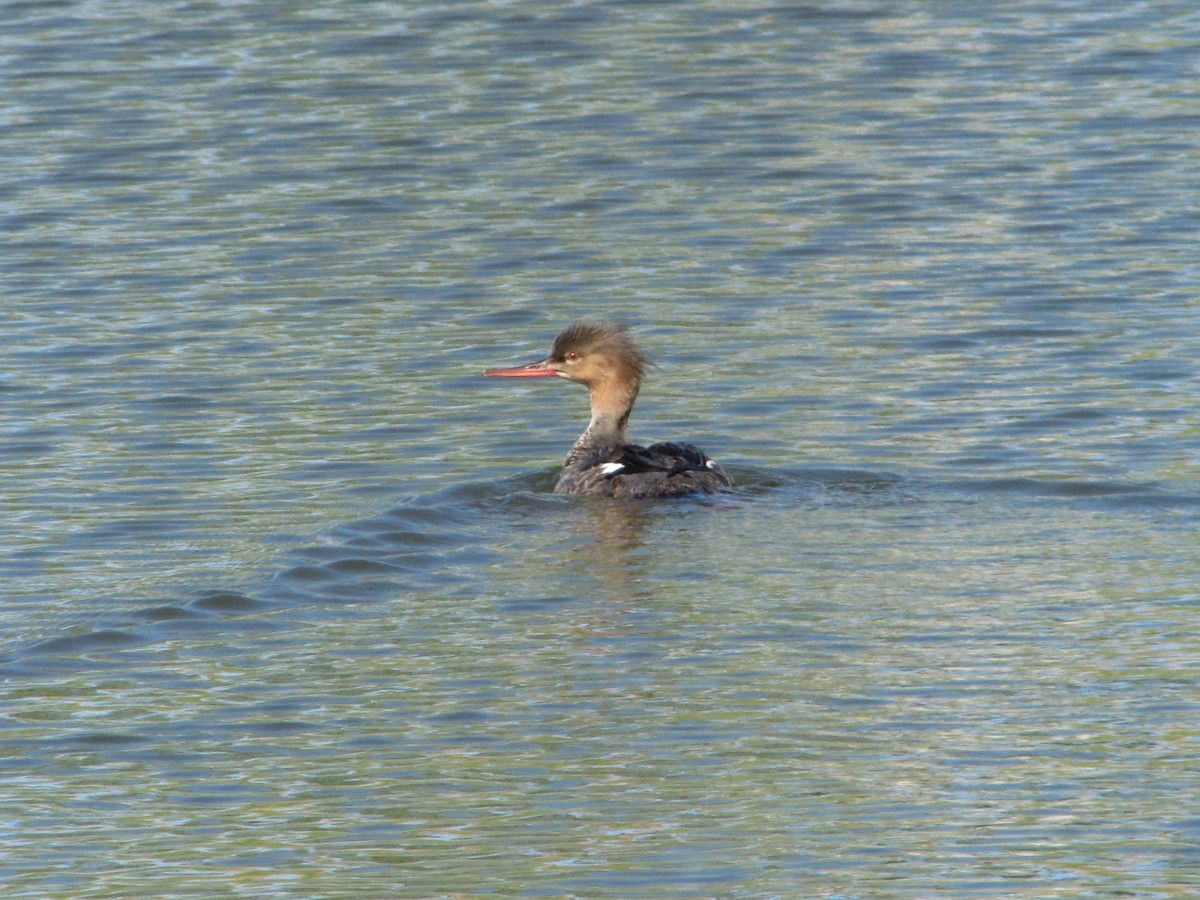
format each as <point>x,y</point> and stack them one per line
<point>612,402</point>
<point>611,405</point>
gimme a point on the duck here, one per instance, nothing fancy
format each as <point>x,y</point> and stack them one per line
<point>604,461</point>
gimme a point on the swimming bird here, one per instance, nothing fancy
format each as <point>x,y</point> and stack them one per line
<point>603,461</point>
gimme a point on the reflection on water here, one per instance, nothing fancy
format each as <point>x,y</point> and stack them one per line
<point>290,608</point>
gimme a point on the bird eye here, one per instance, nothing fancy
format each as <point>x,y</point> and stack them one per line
<point>572,356</point>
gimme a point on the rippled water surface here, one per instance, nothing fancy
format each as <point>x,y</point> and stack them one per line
<point>289,609</point>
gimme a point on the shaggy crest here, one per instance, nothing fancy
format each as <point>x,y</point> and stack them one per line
<point>613,340</point>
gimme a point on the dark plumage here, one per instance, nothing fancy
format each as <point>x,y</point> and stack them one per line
<point>604,461</point>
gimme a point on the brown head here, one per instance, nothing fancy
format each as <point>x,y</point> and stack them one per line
<point>592,354</point>
<point>603,357</point>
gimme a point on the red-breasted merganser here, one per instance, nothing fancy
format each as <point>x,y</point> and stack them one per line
<point>603,461</point>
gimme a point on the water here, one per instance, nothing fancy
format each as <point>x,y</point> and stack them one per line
<point>289,608</point>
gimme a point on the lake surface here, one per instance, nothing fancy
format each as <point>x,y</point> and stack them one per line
<point>289,607</point>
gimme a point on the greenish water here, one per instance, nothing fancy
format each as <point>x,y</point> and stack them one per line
<point>289,608</point>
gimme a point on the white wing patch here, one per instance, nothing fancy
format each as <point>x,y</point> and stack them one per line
<point>611,468</point>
